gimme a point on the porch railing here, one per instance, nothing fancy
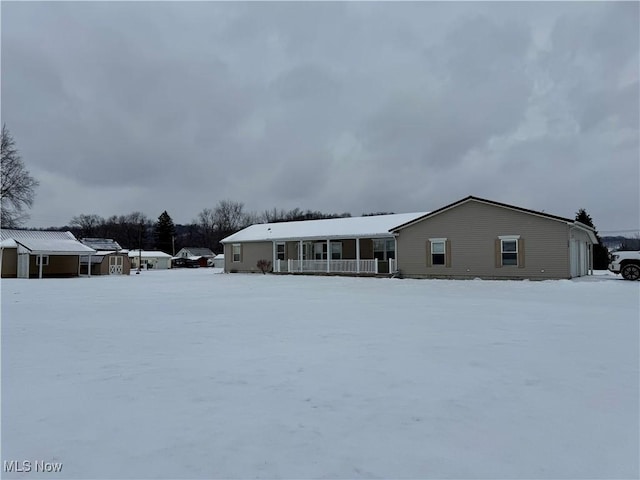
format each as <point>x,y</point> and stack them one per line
<point>324,266</point>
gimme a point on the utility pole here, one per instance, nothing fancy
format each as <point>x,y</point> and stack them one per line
<point>139,249</point>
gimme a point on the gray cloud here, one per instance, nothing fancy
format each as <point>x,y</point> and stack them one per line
<point>335,106</point>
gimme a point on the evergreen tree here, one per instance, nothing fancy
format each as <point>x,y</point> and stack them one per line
<point>600,252</point>
<point>165,231</point>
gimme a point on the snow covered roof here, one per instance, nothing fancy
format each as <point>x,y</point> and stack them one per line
<point>98,257</point>
<point>148,254</point>
<point>348,227</point>
<point>84,259</point>
<point>45,242</point>
<point>101,244</point>
<point>8,243</point>
<point>197,251</point>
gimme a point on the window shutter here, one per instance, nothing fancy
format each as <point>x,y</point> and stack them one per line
<point>447,254</point>
<point>521,253</point>
<point>498,253</point>
<point>429,260</point>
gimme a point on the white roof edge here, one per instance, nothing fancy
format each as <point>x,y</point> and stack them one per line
<point>312,238</point>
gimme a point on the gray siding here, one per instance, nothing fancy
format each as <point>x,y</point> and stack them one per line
<point>472,229</point>
<point>250,253</point>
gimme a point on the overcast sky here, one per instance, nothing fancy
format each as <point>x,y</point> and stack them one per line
<point>339,107</point>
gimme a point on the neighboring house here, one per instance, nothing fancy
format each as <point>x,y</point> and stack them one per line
<point>218,261</point>
<point>351,245</point>
<point>39,254</point>
<point>474,237</point>
<point>150,260</point>
<point>110,259</point>
<point>470,238</point>
<point>201,255</point>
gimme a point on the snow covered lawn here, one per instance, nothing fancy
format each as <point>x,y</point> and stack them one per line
<point>187,374</point>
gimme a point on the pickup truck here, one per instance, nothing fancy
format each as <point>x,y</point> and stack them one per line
<point>627,263</point>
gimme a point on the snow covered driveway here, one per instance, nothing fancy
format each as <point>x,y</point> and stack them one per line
<point>187,374</point>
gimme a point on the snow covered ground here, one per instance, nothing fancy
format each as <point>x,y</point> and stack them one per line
<point>187,374</point>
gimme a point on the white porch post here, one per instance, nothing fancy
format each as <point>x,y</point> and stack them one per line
<point>89,266</point>
<point>376,265</point>
<point>40,269</point>
<point>357,255</point>
<point>395,252</point>
<point>328,255</point>
<point>79,264</point>
<point>300,255</point>
<point>275,267</point>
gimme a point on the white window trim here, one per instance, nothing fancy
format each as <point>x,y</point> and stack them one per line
<point>336,247</point>
<point>509,238</point>
<point>388,246</point>
<point>443,241</point>
<point>284,250</point>
<point>319,250</point>
<point>45,260</point>
<point>233,252</point>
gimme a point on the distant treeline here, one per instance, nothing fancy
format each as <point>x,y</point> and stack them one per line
<point>136,230</point>
<point>621,243</point>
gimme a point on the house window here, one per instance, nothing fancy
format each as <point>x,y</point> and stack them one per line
<point>280,251</point>
<point>307,250</point>
<point>237,248</point>
<point>336,250</point>
<point>438,251</point>
<point>45,260</point>
<point>320,250</point>
<point>509,250</point>
<point>384,248</point>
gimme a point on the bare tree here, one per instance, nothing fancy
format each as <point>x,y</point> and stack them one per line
<point>17,189</point>
<point>206,222</point>
<point>274,215</point>
<point>251,218</point>
<point>229,216</point>
<point>135,228</point>
<point>87,226</point>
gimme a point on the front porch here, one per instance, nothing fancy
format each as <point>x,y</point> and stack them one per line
<point>350,256</point>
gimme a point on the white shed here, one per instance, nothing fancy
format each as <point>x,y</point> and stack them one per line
<point>218,261</point>
<point>150,260</point>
